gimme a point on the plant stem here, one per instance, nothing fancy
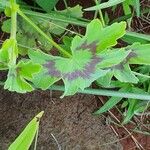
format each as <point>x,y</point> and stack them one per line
<point>43,34</point>
<point>100,14</point>
<point>13,54</point>
<point>13,19</point>
<point>36,139</point>
<point>107,93</point>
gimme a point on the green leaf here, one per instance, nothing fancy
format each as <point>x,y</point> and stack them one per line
<point>124,74</point>
<point>124,104</point>
<point>130,111</point>
<point>58,27</point>
<point>137,7</point>
<point>3,4</point>
<point>75,12</point>
<point>27,37</point>
<point>6,56</point>
<point>6,26</point>
<point>134,105</point>
<point>77,72</point>
<point>80,70</point>
<point>132,37</point>
<point>47,5</point>
<point>66,44</point>
<point>17,77</point>
<point>108,36</point>
<point>140,54</point>
<point>105,81</point>
<point>25,139</point>
<point>126,7</point>
<point>113,57</point>
<point>42,79</point>
<point>111,102</point>
<point>110,3</point>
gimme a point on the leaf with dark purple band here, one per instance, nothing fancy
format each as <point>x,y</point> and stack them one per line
<point>77,72</point>
<point>140,54</point>
<point>83,67</point>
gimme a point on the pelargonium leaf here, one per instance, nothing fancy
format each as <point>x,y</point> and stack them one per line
<point>77,72</point>
<point>18,77</point>
<point>17,84</point>
<point>124,74</point>
<point>105,37</point>
<point>8,52</point>
<point>80,70</point>
<point>140,54</point>
<point>113,57</point>
<point>105,81</point>
<point>42,79</point>
<point>111,34</point>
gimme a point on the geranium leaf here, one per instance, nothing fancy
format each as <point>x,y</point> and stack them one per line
<point>140,53</point>
<point>42,79</point>
<point>105,81</point>
<point>113,57</point>
<point>80,70</point>
<point>105,37</point>
<point>8,53</point>
<point>16,83</point>
<point>18,77</point>
<point>124,74</point>
<point>77,72</point>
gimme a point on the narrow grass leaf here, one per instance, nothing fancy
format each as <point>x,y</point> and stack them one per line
<point>25,139</point>
<point>110,103</point>
<point>110,3</point>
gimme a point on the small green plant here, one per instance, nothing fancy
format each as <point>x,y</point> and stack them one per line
<point>25,139</point>
<point>83,59</point>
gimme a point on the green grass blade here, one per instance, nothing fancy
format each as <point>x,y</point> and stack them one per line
<point>132,37</point>
<point>25,139</point>
<point>108,105</point>
<point>111,102</point>
<point>137,7</point>
<point>56,16</point>
<point>110,3</point>
<point>130,111</point>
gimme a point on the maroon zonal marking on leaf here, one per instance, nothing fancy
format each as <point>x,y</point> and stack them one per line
<point>86,72</point>
<point>52,71</point>
<point>92,46</point>
<point>131,55</point>
<point>120,66</point>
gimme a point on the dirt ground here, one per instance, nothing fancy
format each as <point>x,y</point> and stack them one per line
<point>69,120</point>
